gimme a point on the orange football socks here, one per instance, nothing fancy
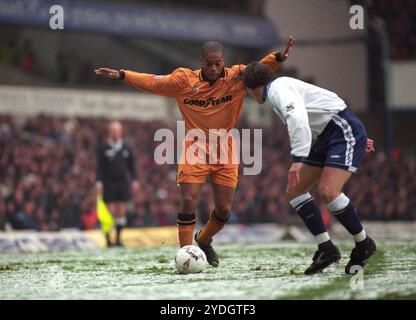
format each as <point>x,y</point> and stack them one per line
<point>213,226</point>
<point>186,227</point>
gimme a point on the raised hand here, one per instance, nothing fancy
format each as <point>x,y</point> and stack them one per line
<point>289,46</point>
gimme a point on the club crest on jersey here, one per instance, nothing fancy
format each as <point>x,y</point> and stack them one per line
<point>290,108</point>
<point>196,89</point>
<point>208,102</point>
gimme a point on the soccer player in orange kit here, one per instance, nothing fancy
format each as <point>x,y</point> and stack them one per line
<point>209,98</point>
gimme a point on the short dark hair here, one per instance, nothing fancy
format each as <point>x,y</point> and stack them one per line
<point>257,74</point>
<point>211,46</point>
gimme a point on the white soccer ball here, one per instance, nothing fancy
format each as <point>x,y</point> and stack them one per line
<point>190,259</point>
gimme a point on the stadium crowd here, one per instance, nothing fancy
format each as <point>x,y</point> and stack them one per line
<point>400,21</point>
<point>47,177</point>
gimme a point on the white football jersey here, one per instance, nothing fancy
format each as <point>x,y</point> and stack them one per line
<point>304,108</point>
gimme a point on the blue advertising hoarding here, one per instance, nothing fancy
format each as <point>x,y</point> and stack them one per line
<point>143,20</point>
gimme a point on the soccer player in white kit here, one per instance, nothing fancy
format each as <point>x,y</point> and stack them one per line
<point>311,113</point>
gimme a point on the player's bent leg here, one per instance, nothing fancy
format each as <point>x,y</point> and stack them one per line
<point>331,183</point>
<point>309,175</point>
<point>223,199</point>
<point>330,189</point>
<point>302,201</point>
<point>310,213</point>
<point>186,218</point>
<point>189,196</point>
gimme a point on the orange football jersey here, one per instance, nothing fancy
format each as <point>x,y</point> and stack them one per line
<point>203,105</point>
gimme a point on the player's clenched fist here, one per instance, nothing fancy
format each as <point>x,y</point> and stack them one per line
<point>108,73</point>
<point>370,146</point>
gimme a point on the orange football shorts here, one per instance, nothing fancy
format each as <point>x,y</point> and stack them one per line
<point>222,174</point>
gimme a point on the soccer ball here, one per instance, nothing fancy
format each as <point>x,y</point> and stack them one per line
<point>190,259</point>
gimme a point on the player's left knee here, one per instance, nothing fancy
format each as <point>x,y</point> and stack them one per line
<point>328,193</point>
<point>223,212</point>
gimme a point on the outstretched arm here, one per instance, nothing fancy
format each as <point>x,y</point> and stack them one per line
<point>274,60</point>
<point>166,85</point>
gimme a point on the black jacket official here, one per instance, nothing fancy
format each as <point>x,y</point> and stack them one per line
<point>115,169</point>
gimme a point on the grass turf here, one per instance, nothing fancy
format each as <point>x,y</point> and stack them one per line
<point>269,271</point>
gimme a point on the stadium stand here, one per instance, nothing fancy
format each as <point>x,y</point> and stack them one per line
<point>400,20</point>
<point>48,173</point>
<point>48,164</point>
